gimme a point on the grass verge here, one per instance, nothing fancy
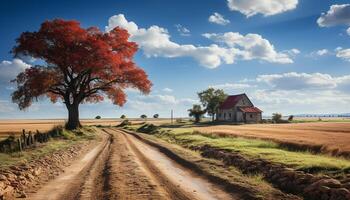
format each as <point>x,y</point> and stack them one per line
<point>254,148</point>
<point>66,140</point>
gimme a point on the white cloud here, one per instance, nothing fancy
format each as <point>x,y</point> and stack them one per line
<point>343,53</point>
<point>10,69</point>
<point>167,90</point>
<point>305,81</point>
<point>299,102</point>
<point>251,46</point>
<point>322,52</point>
<point>155,42</point>
<point>217,18</point>
<point>183,31</point>
<point>292,52</point>
<point>336,15</point>
<point>348,31</point>
<point>266,7</point>
<point>232,86</point>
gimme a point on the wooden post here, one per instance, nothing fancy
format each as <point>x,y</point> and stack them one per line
<point>24,139</point>
<point>172,116</point>
<point>19,144</point>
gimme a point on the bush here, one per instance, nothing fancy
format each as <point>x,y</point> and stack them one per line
<point>276,117</point>
<point>124,123</point>
<point>155,116</point>
<point>122,117</point>
<point>98,117</point>
<point>290,118</point>
<point>148,128</point>
<point>143,116</point>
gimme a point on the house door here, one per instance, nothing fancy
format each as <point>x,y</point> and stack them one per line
<point>245,117</point>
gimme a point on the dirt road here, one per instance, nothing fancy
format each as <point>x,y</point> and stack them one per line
<point>123,167</point>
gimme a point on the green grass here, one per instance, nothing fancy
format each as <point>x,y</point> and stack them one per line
<point>255,148</point>
<point>67,139</point>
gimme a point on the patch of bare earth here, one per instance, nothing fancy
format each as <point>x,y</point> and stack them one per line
<point>138,171</point>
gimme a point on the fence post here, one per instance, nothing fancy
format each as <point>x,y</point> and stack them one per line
<point>19,144</point>
<point>24,138</point>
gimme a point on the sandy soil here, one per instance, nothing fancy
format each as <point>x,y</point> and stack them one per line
<point>332,135</point>
<point>123,167</point>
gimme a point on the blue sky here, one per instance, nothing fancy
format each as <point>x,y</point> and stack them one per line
<point>289,56</point>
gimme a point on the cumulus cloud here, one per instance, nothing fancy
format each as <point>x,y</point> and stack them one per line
<point>183,31</point>
<point>266,8</point>
<point>336,15</point>
<point>217,18</point>
<point>322,52</point>
<point>231,86</point>
<point>10,69</point>
<point>343,54</point>
<point>155,42</point>
<point>251,46</point>
<point>167,90</point>
<point>305,81</point>
<point>348,31</point>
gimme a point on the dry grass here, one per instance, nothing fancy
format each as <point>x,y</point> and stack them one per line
<point>16,126</point>
<point>332,136</point>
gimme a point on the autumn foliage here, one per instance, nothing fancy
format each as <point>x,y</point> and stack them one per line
<point>81,65</point>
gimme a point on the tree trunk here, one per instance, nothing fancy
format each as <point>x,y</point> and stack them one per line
<point>73,116</point>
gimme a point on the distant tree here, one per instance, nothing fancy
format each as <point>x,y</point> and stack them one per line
<point>196,112</point>
<point>291,117</point>
<point>98,117</point>
<point>80,65</point>
<point>155,115</point>
<point>211,99</point>
<point>276,117</point>
<point>122,117</point>
<point>143,116</point>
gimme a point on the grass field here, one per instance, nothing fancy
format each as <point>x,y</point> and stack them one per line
<point>16,126</point>
<point>254,148</point>
<point>333,137</point>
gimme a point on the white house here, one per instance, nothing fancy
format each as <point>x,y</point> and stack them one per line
<point>238,108</point>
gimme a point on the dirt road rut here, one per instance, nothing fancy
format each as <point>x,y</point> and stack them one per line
<point>123,167</point>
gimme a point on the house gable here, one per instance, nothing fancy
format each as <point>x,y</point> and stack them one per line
<point>233,101</point>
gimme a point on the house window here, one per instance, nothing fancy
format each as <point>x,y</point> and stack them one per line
<point>224,115</point>
<point>219,114</point>
<point>229,115</point>
<point>251,115</point>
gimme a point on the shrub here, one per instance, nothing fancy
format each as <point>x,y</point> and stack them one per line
<point>155,116</point>
<point>290,118</point>
<point>143,116</point>
<point>98,117</point>
<point>122,117</point>
<point>148,128</point>
<point>276,117</point>
<point>124,123</point>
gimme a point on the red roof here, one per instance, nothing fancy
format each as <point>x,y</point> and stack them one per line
<point>231,101</point>
<point>250,109</point>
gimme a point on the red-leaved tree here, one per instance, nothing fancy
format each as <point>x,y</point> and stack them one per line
<point>81,65</point>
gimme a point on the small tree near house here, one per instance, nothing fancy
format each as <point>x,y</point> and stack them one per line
<point>290,118</point>
<point>156,116</point>
<point>79,66</point>
<point>276,117</point>
<point>211,99</point>
<point>143,116</point>
<point>196,112</point>
<point>123,117</point>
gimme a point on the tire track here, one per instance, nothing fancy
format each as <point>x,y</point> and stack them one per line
<point>171,180</point>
